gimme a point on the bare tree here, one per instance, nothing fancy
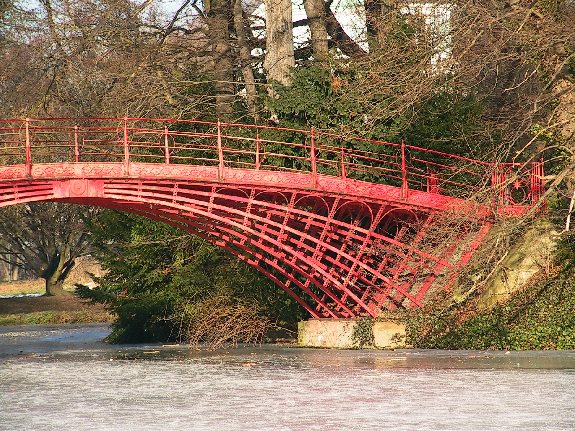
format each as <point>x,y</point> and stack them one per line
<point>316,19</point>
<point>44,240</point>
<point>218,15</point>
<point>242,29</point>
<point>279,59</point>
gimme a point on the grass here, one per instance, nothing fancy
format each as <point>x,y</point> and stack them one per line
<point>22,287</point>
<point>55,317</point>
<point>27,310</point>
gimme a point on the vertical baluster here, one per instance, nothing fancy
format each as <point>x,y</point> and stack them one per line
<point>126,149</point>
<point>28,149</point>
<point>343,172</point>
<point>166,146</point>
<point>313,160</point>
<point>404,186</point>
<point>220,153</point>
<point>76,146</point>
<point>258,163</point>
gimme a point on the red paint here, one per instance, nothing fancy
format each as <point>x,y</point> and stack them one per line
<point>345,227</point>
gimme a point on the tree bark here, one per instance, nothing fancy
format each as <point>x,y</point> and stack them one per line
<point>55,288</point>
<point>218,16</point>
<point>14,273</point>
<point>245,58</point>
<point>315,11</point>
<point>56,272</point>
<point>279,59</point>
<point>5,271</point>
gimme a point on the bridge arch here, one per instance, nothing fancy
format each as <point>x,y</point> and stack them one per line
<point>327,276</point>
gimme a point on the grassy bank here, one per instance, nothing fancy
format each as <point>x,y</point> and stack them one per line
<point>55,317</point>
<point>540,317</point>
<point>22,287</point>
<point>26,310</point>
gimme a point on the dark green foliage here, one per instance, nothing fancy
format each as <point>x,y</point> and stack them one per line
<point>312,100</point>
<point>446,121</point>
<point>540,317</point>
<point>155,271</point>
<point>449,122</point>
<point>362,335</point>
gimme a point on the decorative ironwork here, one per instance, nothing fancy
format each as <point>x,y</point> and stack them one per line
<point>346,226</point>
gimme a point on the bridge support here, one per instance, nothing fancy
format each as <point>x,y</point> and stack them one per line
<point>339,334</point>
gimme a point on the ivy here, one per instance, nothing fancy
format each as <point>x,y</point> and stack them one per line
<point>540,317</point>
<point>362,335</point>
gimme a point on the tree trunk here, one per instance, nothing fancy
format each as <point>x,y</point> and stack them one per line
<point>55,287</point>
<point>279,59</point>
<point>5,271</point>
<point>14,273</point>
<point>56,272</point>
<point>315,11</point>
<point>218,17</point>
<point>245,58</point>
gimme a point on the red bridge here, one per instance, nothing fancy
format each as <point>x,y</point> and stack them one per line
<point>346,226</point>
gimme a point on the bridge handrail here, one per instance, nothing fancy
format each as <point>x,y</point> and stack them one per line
<point>25,140</point>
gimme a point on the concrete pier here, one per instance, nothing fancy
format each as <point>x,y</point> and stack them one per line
<point>339,334</point>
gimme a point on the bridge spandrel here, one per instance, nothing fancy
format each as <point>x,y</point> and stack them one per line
<point>78,188</point>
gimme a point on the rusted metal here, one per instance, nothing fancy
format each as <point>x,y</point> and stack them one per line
<point>346,230</point>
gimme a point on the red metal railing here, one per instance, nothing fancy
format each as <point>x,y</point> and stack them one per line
<point>226,145</point>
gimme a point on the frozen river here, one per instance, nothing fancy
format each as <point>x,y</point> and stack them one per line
<point>65,378</point>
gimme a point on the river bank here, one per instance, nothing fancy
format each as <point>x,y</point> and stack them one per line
<point>59,340</point>
<point>22,310</point>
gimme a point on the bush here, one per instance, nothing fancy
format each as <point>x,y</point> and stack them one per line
<point>164,284</point>
<point>540,317</point>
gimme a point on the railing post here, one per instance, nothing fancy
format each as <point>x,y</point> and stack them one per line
<point>313,160</point>
<point>501,184</point>
<point>542,182</point>
<point>404,185</point>
<point>166,147</point>
<point>343,172</point>
<point>76,146</point>
<point>494,191</point>
<point>537,182</point>
<point>431,182</point>
<point>220,153</point>
<point>126,149</point>
<point>258,163</point>
<point>28,149</point>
